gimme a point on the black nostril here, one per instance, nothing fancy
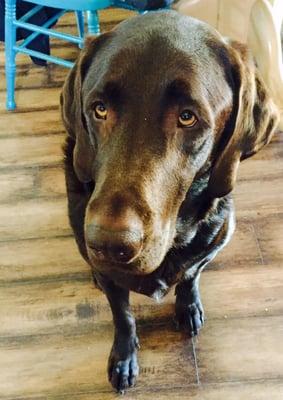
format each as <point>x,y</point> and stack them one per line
<point>121,253</point>
<point>99,251</point>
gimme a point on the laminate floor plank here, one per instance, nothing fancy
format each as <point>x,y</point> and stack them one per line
<point>33,99</point>
<point>241,349</point>
<point>73,362</point>
<point>32,151</point>
<point>33,220</point>
<point>269,232</point>
<point>264,390</point>
<point>47,122</point>
<point>251,199</point>
<point>63,293</point>
<point>31,183</point>
<point>39,259</point>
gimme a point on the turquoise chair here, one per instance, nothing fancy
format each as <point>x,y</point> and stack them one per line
<point>12,23</point>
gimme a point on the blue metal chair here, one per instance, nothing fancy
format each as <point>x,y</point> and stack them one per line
<point>11,24</point>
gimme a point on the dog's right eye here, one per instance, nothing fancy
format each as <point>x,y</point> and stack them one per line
<point>187,119</point>
<point>100,111</point>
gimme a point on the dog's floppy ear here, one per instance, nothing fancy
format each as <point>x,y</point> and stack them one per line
<point>253,121</point>
<point>72,113</point>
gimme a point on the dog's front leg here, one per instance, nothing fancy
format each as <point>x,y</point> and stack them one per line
<point>189,314</point>
<point>123,366</point>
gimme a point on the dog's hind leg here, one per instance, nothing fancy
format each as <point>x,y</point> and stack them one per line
<point>189,314</point>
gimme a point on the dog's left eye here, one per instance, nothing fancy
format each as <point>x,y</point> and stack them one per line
<point>187,119</point>
<point>100,110</point>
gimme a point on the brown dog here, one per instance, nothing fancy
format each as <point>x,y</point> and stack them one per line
<point>159,113</point>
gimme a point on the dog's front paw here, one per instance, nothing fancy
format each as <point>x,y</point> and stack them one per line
<point>123,367</point>
<point>189,317</point>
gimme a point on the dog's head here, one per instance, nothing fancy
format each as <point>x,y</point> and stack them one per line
<point>151,105</point>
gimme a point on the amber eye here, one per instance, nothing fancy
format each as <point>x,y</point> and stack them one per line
<point>100,111</point>
<point>187,119</point>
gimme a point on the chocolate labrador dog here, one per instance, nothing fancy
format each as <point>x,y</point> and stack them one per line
<point>159,113</point>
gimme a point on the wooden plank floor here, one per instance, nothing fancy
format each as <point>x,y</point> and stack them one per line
<point>55,328</point>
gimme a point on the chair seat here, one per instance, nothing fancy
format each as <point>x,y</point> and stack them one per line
<point>76,5</point>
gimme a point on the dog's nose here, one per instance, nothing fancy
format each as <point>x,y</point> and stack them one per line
<point>115,239</point>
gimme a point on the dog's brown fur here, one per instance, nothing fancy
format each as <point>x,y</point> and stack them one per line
<point>175,181</point>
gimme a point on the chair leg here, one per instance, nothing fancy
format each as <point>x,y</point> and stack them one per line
<point>80,24</point>
<point>10,54</point>
<point>93,22</point>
